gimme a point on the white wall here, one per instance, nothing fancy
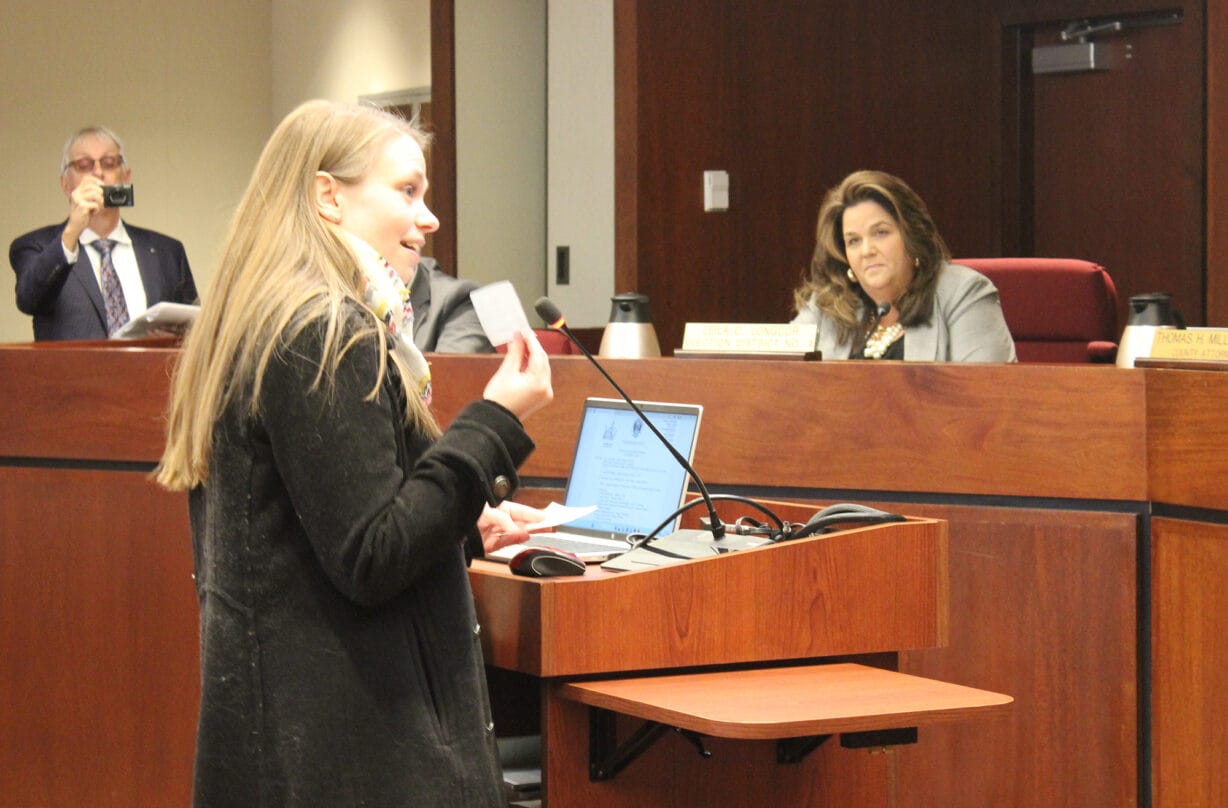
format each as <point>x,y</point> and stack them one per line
<point>535,148</point>
<point>580,136</point>
<point>196,86</point>
<point>328,49</point>
<point>501,144</point>
<point>344,50</point>
<point>186,84</point>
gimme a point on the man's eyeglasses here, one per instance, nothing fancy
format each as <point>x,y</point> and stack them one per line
<point>86,164</point>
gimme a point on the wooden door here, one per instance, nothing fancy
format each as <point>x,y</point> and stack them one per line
<point>1111,162</point>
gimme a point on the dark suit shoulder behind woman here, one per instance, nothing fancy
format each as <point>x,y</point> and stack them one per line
<point>444,318</point>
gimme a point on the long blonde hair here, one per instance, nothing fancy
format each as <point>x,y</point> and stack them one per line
<point>283,268</point>
<point>827,284</point>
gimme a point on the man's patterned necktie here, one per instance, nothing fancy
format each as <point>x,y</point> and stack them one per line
<point>112,292</point>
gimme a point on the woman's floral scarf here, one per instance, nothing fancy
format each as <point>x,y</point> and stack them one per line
<point>388,296</point>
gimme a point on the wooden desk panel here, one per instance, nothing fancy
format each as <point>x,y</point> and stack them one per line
<point>1190,648</point>
<point>99,671</point>
<point>84,401</point>
<point>1187,436</point>
<point>1026,430</point>
<point>1043,607</point>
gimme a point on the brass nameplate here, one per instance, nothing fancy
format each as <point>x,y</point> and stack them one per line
<point>750,337</point>
<point>1190,343</point>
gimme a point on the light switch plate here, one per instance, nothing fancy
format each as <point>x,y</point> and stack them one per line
<point>716,191</point>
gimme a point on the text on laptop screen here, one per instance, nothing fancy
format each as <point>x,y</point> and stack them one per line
<point>622,468</point>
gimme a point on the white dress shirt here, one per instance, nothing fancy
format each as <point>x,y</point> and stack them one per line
<point>123,257</point>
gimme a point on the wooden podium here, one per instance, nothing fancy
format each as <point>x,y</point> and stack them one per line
<point>693,646</point>
<point>864,591</point>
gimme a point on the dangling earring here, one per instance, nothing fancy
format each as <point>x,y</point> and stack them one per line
<point>916,263</point>
<point>852,277</point>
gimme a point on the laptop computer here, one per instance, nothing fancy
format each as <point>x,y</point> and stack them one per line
<point>620,466</point>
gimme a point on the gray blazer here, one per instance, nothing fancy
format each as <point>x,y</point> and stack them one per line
<point>341,660</point>
<point>966,326</point>
<point>444,317</point>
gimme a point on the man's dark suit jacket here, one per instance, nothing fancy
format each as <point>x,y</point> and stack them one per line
<point>444,318</point>
<point>65,299</point>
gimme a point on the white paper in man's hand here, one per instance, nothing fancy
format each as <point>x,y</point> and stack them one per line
<point>499,312</point>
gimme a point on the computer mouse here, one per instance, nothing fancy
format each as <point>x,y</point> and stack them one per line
<point>546,562</point>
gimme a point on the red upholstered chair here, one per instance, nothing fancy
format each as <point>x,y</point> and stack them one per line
<point>1057,309</point>
<point>553,342</point>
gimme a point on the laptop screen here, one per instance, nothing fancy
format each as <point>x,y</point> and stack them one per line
<point>621,467</point>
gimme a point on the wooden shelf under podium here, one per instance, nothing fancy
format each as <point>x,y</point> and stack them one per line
<point>799,707</point>
<point>772,703</point>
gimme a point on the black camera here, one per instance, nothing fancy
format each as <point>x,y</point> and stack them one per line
<point>117,196</point>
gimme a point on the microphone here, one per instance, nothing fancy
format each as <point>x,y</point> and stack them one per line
<point>554,319</point>
<point>882,309</point>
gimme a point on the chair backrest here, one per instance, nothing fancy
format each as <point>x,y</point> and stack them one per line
<point>553,342</point>
<point>1057,309</point>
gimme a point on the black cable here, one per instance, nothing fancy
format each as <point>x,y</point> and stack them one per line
<point>831,518</point>
<point>844,513</point>
<point>655,532</point>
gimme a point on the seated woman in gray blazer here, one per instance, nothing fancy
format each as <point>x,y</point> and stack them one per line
<point>881,284</point>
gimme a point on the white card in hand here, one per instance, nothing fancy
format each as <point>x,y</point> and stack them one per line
<point>499,312</point>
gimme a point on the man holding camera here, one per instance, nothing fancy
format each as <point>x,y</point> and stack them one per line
<point>85,277</point>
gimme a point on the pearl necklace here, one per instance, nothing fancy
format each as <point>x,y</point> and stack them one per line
<point>882,338</point>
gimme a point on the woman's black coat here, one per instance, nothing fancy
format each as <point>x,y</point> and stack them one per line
<point>340,656</point>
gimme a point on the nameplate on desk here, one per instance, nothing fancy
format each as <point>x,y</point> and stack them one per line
<point>1190,343</point>
<point>750,338</point>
